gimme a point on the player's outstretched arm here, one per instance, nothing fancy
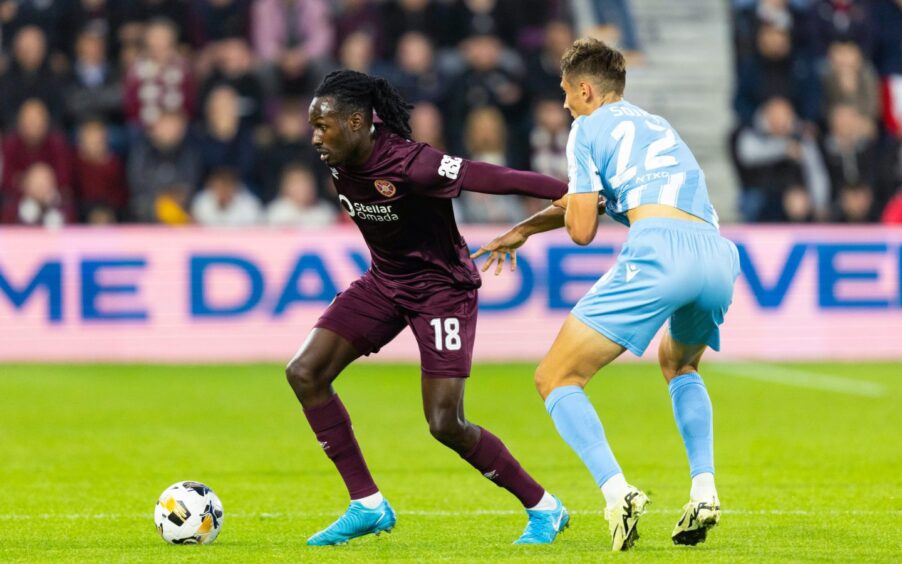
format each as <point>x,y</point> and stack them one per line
<point>552,217</point>
<point>492,179</point>
<point>506,245</point>
<point>438,175</point>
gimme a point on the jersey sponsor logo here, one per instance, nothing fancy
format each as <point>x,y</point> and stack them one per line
<point>385,188</point>
<point>646,178</point>
<point>449,167</point>
<point>368,212</point>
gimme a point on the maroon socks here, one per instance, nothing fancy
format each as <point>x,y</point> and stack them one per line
<point>332,425</point>
<point>496,463</point>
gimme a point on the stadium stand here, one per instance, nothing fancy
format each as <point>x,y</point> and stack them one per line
<point>182,88</point>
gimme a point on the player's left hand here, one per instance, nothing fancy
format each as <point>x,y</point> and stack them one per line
<point>500,248</point>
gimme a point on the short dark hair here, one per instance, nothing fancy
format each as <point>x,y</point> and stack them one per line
<point>595,59</point>
<point>163,21</point>
<point>91,120</point>
<point>223,174</point>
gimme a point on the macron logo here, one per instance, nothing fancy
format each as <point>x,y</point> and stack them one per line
<point>324,445</point>
<point>631,271</point>
<point>491,475</point>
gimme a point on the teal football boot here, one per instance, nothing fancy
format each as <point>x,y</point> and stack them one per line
<point>544,525</point>
<point>357,521</point>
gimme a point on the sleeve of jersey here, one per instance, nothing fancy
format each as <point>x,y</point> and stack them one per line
<point>444,176</point>
<point>491,179</point>
<point>581,167</point>
<point>435,174</point>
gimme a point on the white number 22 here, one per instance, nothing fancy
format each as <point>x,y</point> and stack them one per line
<point>625,132</point>
<point>451,340</point>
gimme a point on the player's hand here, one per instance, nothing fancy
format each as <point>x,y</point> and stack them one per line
<point>500,248</point>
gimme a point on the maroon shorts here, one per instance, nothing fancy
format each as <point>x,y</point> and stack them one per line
<point>444,324</point>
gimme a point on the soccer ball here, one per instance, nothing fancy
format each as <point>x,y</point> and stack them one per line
<point>188,513</point>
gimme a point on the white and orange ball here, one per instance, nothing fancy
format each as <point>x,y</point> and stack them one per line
<point>188,513</point>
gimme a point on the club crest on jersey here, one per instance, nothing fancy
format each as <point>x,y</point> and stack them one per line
<point>385,188</point>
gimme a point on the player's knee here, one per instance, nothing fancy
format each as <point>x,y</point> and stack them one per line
<point>447,427</point>
<point>303,378</point>
<point>548,377</point>
<point>674,362</point>
<point>545,380</point>
<point>671,369</point>
<point>668,368</point>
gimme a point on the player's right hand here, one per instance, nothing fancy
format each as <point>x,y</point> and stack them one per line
<point>500,248</point>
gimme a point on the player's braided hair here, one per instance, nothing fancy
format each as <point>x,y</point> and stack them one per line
<point>354,91</point>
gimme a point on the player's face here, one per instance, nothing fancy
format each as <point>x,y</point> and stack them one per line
<point>331,134</point>
<point>572,99</point>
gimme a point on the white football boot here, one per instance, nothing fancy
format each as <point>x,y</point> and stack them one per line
<point>623,517</point>
<point>698,517</point>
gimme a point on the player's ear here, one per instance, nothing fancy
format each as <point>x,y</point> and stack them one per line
<point>585,90</point>
<point>356,121</point>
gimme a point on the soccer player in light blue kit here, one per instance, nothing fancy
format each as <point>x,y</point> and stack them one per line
<point>674,266</point>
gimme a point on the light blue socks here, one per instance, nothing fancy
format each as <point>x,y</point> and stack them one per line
<point>578,424</point>
<point>694,419</point>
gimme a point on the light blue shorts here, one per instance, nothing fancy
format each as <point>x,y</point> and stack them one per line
<point>668,269</point>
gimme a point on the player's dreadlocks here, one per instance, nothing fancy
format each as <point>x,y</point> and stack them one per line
<point>355,91</point>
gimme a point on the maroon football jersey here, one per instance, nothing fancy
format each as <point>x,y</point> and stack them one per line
<point>401,201</point>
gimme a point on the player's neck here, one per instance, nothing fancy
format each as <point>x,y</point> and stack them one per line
<point>363,153</point>
<point>609,98</point>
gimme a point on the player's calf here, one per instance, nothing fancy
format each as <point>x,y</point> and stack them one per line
<point>547,516</point>
<point>443,407</point>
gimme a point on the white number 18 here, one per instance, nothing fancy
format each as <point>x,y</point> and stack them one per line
<point>451,338</point>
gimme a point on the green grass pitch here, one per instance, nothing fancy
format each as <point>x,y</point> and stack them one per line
<point>809,464</point>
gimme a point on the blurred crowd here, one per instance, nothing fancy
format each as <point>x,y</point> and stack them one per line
<point>195,111</point>
<point>819,105</point>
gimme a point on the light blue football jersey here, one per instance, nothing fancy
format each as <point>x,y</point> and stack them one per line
<point>635,158</point>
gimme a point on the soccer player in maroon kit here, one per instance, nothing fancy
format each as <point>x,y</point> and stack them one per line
<point>399,192</point>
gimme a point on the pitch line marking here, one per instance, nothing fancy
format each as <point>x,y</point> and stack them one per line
<point>422,513</point>
<point>801,378</point>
